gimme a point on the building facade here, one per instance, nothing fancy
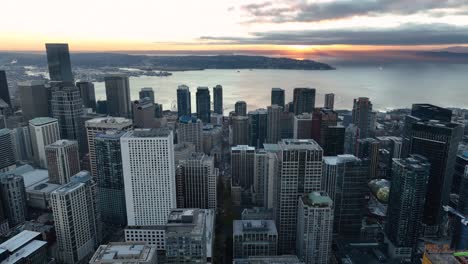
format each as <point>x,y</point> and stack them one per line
<point>43,131</point>
<point>254,238</point>
<point>118,96</point>
<point>63,160</point>
<point>204,104</point>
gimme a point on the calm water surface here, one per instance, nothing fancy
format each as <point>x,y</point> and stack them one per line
<point>390,87</point>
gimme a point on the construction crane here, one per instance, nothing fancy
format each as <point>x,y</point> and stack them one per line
<point>449,209</point>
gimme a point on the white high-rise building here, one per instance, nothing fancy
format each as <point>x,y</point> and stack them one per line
<point>149,182</point>
<point>43,131</point>
<point>98,125</point>
<point>314,228</point>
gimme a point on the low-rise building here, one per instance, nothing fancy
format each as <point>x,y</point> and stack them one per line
<point>254,238</point>
<point>123,252</point>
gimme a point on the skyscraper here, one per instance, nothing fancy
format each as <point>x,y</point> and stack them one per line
<point>63,161</point>
<point>303,126</point>
<point>147,92</point>
<point>13,196</point>
<point>406,203</point>
<point>265,168</point>
<point>304,100</point>
<point>58,59</point>
<point>118,96</point>
<point>98,125</point>
<point>218,99</point>
<point>184,105</point>
<point>239,130</point>
<point>143,113</point>
<point>109,177</point>
<point>277,97</point>
<point>438,142</point>
<point>242,165</point>
<point>203,104</point>
<point>362,116</point>
<point>240,107</point>
<point>274,123</point>
<point>196,180</point>
<point>67,107</point>
<point>43,131</point>
<point>314,228</point>
<point>76,218</point>
<point>150,182</point>
<point>368,149</point>
<point>87,94</point>
<point>300,172</point>
<point>322,119</point>
<point>34,99</point>
<point>257,127</point>
<point>334,141</point>
<point>4,92</point>
<point>190,130</point>
<point>7,150</point>
<point>329,101</point>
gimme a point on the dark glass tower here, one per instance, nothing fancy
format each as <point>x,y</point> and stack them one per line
<point>258,127</point>
<point>218,99</point>
<point>277,97</point>
<point>184,104</point>
<point>362,116</point>
<point>87,94</point>
<point>58,59</point>
<point>406,200</point>
<point>67,107</point>
<point>118,96</point>
<point>147,92</point>
<point>4,92</point>
<point>304,100</point>
<point>240,108</point>
<point>203,104</point>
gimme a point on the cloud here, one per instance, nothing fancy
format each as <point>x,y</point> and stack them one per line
<point>303,11</point>
<point>406,34</point>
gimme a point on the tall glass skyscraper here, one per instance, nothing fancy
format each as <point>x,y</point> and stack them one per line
<point>118,96</point>
<point>67,107</point>
<point>277,97</point>
<point>203,104</point>
<point>184,104</point>
<point>304,100</point>
<point>58,59</point>
<point>258,127</point>
<point>4,92</point>
<point>218,99</point>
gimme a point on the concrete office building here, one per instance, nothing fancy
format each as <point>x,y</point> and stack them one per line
<point>265,168</point>
<point>63,160</point>
<point>196,180</point>
<point>34,99</point>
<point>87,94</point>
<point>300,172</point>
<point>315,228</point>
<point>242,165</point>
<point>101,124</point>
<point>274,124</point>
<point>183,151</point>
<point>67,107</point>
<point>303,126</point>
<point>190,130</point>
<point>13,194</point>
<point>143,113</point>
<point>123,252</point>
<point>43,131</point>
<point>118,96</point>
<point>254,238</point>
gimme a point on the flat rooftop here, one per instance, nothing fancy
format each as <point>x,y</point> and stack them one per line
<point>317,199</point>
<point>108,122</point>
<point>254,226</point>
<point>63,142</point>
<point>40,121</point>
<point>25,251</point>
<point>124,252</point>
<point>148,133</point>
<point>19,240</point>
<point>291,144</point>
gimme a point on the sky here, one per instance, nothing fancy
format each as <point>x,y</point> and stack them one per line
<point>288,26</point>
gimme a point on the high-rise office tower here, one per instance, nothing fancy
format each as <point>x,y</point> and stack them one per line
<point>118,96</point>
<point>150,182</point>
<point>143,113</point>
<point>369,149</point>
<point>351,137</point>
<point>287,124</point>
<point>329,101</point>
<point>190,236</point>
<point>76,218</point>
<point>128,252</point>
<point>242,165</point>
<point>460,165</point>
<point>304,100</point>
<point>334,141</point>
<point>265,168</point>
<point>254,238</point>
<point>315,228</point>
<point>362,116</point>
<point>277,97</point>
<point>43,131</point>
<point>87,94</point>
<point>147,92</point>
<point>196,179</point>
<point>58,59</point>
<point>322,120</point>
<point>303,126</point>
<point>257,127</point>
<point>184,105</point>
<point>83,140</point>
<point>34,99</point>
<point>240,107</point>
<point>203,104</point>
<point>459,237</point>
<point>406,204</point>
<point>4,226</point>
<point>67,107</point>
<point>13,196</point>
<point>22,143</point>
<point>218,99</point>
<point>4,92</point>
<point>239,130</point>
<point>300,172</point>
<point>274,124</point>
<point>438,142</point>
<point>347,177</point>
<point>190,130</point>
<point>98,125</point>
<point>63,161</point>
<point>7,150</point>
<point>109,177</point>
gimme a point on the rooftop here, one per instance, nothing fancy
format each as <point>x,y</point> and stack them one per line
<point>4,131</point>
<point>19,240</point>
<point>124,252</point>
<point>188,119</point>
<point>25,251</point>
<point>148,133</point>
<point>290,144</point>
<point>254,226</point>
<point>110,134</point>
<point>31,83</point>
<point>242,147</point>
<point>317,199</point>
<point>106,121</point>
<point>40,121</point>
<point>285,259</point>
<point>63,142</point>
<point>334,160</point>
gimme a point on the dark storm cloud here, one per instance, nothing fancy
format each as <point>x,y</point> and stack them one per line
<point>302,11</point>
<point>407,34</point>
